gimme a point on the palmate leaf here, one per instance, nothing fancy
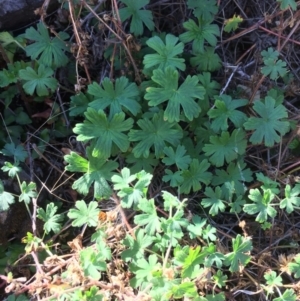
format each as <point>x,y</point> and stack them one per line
<point>284,4</point>
<point>50,51</point>
<point>291,198</point>
<point>138,16</point>
<point>241,246</point>
<point>207,60</point>
<point>6,198</point>
<point>96,171</point>
<point>41,81</point>
<point>166,55</point>
<point>203,32</point>
<point>215,200</point>
<point>196,174</point>
<point>224,109</point>
<point>137,164</point>
<point>178,157</point>
<point>52,220</point>
<point>204,9</point>
<point>211,87</point>
<point>122,95</point>
<point>236,173</point>
<point>154,133</point>
<point>261,205</point>
<point>105,132</point>
<point>269,125</point>
<point>148,217</point>
<point>226,147</point>
<point>84,214</point>
<point>183,96</point>
<point>79,103</point>
<point>273,66</point>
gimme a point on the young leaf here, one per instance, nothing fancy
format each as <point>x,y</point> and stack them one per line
<point>105,131</point>
<point>224,109</point>
<point>269,125</point>
<point>196,174</point>
<point>154,133</point>
<point>178,158</point>
<point>52,220</point>
<point>135,247</point>
<point>267,183</point>
<point>196,228</point>
<point>211,87</point>
<point>285,4</point>
<point>272,280</point>
<point>166,55</point>
<point>123,180</point>
<point>204,9</point>
<point>11,169</point>
<point>6,198</point>
<point>209,233</point>
<point>92,263</point>
<point>241,246</point>
<point>289,294</point>
<point>214,257</point>
<point>220,278</point>
<point>175,179</point>
<point>226,147</point>
<point>149,217</point>
<point>79,103</point>
<point>294,267</point>
<point>233,23</point>
<point>183,96</point>
<point>191,262</point>
<point>291,198</point>
<point>27,192</point>
<point>123,95</point>
<point>41,81</point>
<point>138,16</point>
<point>50,50</point>
<point>18,152</point>
<point>97,171</point>
<point>203,32</point>
<point>141,163</point>
<point>134,193</point>
<point>207,60</point>
<point>146,269</point>
<point>236,173</point>
<point>215,200</point>
<point>262,205</point>
<point>84,214</point>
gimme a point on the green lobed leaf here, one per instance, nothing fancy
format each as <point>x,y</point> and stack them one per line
<point>52,220</point>
<point>269,126</point>
<point>50,51</point>
<point>122,95</point>
<point>196,174</point>
<point>105,131</point>
<point>41,81</point>
<point>154,133</point>
<point>166,55</point>
<point>239,256</point>
<point>226,147</point>
<point>183,96</point>
<point>6,198</point>
<point>199,34</point>
<point>138,16</point>
<point>84,214</point>
<point>224,109</point>
<point>262,205</point>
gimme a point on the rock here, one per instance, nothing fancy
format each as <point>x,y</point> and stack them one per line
<point>17,13</point>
